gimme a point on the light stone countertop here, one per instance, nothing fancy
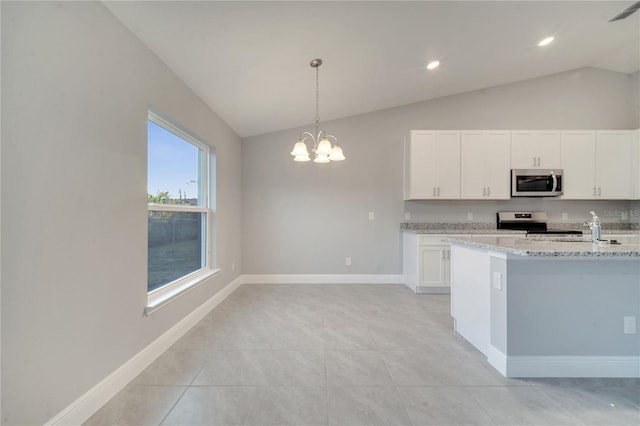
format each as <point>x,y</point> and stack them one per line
<point>556,247</point>
<point>474,231</point>
<point>490,228</point>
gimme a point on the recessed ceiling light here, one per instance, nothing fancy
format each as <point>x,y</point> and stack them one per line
<point>545,41</point>
<point>433,65</point>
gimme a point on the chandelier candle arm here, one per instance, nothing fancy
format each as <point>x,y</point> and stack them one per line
<point>323,149</point>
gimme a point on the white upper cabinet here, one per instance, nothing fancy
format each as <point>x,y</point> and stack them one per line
<point>579,164</point>
<point>475,164</point>
<point>614,164</point>
<point>636,166</point>
<point>535,149</point>
<point>598,164</point>
<point>434,165</point>
<point>485,165</point>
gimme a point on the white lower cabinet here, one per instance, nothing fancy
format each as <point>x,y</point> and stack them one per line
<point>434,266</point>
<point>427,262</point>
<point>426,259</point>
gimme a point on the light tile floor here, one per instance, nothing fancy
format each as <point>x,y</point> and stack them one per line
<point>348,355</point>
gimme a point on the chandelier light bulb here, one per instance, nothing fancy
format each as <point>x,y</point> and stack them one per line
<point>433,65</point>
<point>336,154</point>
<point>300,149</point>
<point>321,158</point>
<point>302,158</point>
<point>324,147</point>
<point>545,41</point>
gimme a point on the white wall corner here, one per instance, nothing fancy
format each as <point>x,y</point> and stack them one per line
<point>85,406</point>
<point>497,359</point>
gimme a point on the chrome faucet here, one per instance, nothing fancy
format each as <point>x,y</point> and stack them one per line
<point>594,225</point>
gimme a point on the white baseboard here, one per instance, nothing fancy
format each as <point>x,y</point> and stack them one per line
<point>85,406</point>
<point>572,366</point>
<point>323,279</point>
<point>434,290</point>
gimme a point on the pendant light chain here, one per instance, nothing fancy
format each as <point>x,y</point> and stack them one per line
<point>317,101</point>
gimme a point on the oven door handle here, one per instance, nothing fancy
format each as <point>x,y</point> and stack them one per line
<point>555,182</point>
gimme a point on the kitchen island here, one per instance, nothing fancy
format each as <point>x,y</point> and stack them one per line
<point>561,307</point>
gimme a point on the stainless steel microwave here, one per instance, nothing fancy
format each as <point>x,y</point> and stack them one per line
<point>536,182</point>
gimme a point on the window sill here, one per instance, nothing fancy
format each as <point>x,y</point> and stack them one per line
<point>156,302</point>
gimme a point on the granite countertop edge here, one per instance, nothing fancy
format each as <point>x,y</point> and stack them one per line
<point>559,252</point>
<point>490,228</point>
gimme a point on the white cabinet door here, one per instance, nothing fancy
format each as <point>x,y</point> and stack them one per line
<point>432,266</point>
<point>472,166</point>
<point>498,155</point>
<point>578,163</point>
<point>448,158</point>
<point>434,165</point>
<point>614,162</point>
<point>422,165</point>
<point>485,164</point>
<point>635,136</point>
<point>535,149</point>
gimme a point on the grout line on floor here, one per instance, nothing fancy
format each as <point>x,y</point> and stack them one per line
<point>186,388</point>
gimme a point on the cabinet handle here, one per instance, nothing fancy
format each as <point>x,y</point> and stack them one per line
<point>534,161</point>
<point>538,161</point>
<point>594,191</point>
<point>438,191</point>
<point>599,191</point>
<point>484,191</point>
<point>488,191</point>
<point>434,191</point>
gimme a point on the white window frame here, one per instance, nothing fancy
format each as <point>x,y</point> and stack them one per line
<point>161,296</point>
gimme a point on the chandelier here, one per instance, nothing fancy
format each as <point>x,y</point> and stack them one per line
<point>323,149</point>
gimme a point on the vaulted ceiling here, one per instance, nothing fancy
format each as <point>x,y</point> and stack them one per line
<point>249,61</point>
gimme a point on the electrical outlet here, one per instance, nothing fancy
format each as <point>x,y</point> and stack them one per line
<point>348,261</point>
<point>565,216</point>
<point>629,325</point>
<point>371,216</point>
<point>469,216</point>
<point>407,216</point>
<point>497,280</point>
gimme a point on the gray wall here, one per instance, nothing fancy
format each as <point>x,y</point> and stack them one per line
<point>306,218</point>
<point>635,115</point>
<point>544,319</point>
<point>635,100</point>
<point>75,90</point>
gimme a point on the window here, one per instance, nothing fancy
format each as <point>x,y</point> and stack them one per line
<point>179,215</point>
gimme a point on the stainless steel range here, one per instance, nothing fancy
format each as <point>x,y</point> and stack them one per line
<point>532,222</point>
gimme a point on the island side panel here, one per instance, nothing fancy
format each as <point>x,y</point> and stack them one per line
<point>410,260</point>
<point>470,299</point>
<point>498,271</point>
<point>572,307</point>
